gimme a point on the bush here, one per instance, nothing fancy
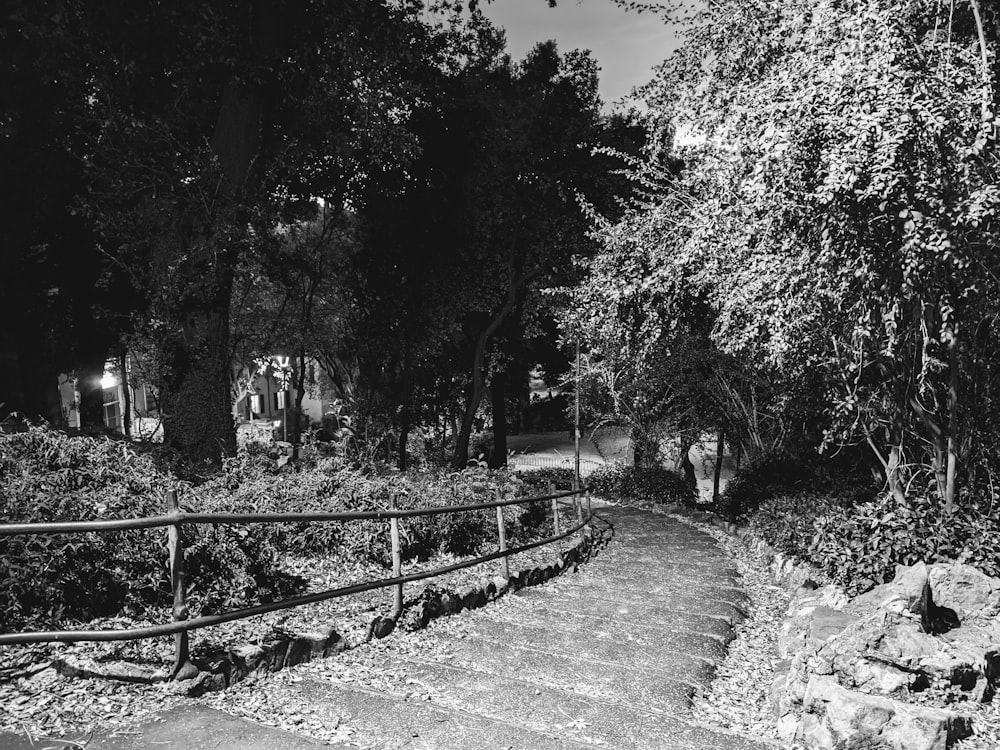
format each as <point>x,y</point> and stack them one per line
<point>782,475</point>
<point>250,484</point>
<point>44,579</point>
<point>787,522</point>
<point>536,481</point>
<point>642,486</point>
<point>860,547</point>
<point>47,476</point>
<point>768,477</point>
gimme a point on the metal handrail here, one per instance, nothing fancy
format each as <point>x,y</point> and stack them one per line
<point>185,517</point>
<point>176,518</point>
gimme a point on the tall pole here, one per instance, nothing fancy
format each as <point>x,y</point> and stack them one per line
<point>576,421</point>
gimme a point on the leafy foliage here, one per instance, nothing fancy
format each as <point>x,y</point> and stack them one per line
<point>837,196</point>
<point>861,546</point>
<point>643,486</point>
<point>779,474</point>
<point>47,476</point>
<point>857,542</point>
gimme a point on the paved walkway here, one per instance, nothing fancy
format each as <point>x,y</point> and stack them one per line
<point>606,657</point>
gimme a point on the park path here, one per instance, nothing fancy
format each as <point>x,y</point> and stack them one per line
<point>607,657</point>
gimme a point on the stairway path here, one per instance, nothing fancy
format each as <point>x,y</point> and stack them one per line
<point>605,657</point>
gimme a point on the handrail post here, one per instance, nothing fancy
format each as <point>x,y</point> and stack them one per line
<point>397,561</point>
<point>590,510</point>
<point>504,561</point>
<point>555,508</point>
<point>175,547</point>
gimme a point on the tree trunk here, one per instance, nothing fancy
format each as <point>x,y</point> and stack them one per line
<point>405,411</point>
<point>194,391</point>
<point>720,450</point>
<point>950,480</point>
<point>638,447</point>
<point>89,378</point>
<point>126,396</point>
<point>478,387</point>
<point>300,392</point>
<point>461,457</point>
<point>893,477</point>
<point>684,462</point>
<point>498,400</point>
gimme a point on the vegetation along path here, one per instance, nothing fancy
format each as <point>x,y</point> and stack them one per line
<point>608,656</point>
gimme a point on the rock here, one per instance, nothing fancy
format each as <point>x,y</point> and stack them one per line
<point>834,714</point>
<point>123,671</point>
<point>276,650</point>
<point>380,627</point>
<point>450,602</point>
<point>810,620</point>
<point>188,671</point>
<point>473,597</point>
<point>304,648</point>
<point>880,653</point>
<point>246,659</point>
<point>907,592</point>
<point>968,662</point>
<point>499,585</point>
<point>970,593</point>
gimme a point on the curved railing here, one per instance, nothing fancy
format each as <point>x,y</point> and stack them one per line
<point>175,519</point>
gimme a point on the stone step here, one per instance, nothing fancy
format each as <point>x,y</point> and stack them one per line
<point>387,721</point>
<point>717,625</point>
<point>689,658</point>
<point>544,708</point>
<point>663,635</point>
<point>663,607</point>
<point>616,683</point>
<point>193,727</point>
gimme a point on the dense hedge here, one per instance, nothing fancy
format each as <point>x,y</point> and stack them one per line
<point>48,476</point>
<point>620,483</point>
<point>793,477</point>
<point>860,546</point>
<point>857,536</point>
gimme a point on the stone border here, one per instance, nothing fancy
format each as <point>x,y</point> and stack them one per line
<point>218,670</point>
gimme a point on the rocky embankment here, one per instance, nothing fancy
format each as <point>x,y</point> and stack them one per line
<point>901,666</point>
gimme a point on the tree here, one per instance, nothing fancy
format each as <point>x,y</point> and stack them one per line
<point>208,127</point>
<point>848,194</point>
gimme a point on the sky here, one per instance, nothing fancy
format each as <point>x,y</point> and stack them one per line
<point>626,45</point>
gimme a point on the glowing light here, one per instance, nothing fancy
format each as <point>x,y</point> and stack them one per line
<point>109,380</point>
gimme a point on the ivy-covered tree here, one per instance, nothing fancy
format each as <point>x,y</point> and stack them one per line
<point>843,201</point>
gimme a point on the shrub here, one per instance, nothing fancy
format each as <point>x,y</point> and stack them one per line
<point>325,484</point>
<point>48,476</point>
<point>781,475</point>
<point>536,481</point>
<point>860,547</point>
<point>762,479</point>
<point>787,522</point>
<point>640,485</point>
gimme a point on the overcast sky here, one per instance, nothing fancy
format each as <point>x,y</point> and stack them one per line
<point>626,45</point>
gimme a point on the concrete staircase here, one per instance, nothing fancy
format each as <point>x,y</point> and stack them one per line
<point>606,657</point>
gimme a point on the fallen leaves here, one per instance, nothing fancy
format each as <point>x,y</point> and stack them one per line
<point>37,699</point>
